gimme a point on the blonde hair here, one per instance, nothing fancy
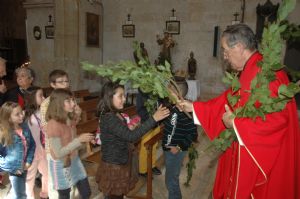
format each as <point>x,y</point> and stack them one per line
<point>6,125</point>
<point>56,106</point>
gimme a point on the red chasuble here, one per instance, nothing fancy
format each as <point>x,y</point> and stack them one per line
<point>268,165</point>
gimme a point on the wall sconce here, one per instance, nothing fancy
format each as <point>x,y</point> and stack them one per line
<point>49,29</point>
<point>128,29</point>
<point>235,21</point>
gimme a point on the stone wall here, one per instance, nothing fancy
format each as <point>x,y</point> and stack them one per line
<point>197,22</point>
<point>68,48</point>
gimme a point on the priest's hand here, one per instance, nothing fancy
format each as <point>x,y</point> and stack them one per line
<point>185,105</point>
<point>228,117</point>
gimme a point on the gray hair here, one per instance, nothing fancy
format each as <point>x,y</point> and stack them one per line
<point>30,73</point>
<point>2,60</point>
<point>240,33</point>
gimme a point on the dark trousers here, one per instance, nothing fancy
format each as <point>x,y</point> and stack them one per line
<point>83,187</point>
<point>115,197</point>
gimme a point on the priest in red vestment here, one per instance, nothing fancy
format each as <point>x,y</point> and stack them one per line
<point>264,162</point>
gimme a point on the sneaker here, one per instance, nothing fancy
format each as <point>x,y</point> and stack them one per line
<point>143,175</point>
<point>156,171</point>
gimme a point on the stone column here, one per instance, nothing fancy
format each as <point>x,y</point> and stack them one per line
<point>39,50</point>
<point>66,41</point>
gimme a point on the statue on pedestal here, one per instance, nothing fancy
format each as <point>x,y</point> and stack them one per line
<point>144,54</point>
<point>192,66</point>
<point>167,43</point>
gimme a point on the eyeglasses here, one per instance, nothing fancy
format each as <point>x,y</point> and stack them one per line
<point>226,51</point>
<point>62,81</point>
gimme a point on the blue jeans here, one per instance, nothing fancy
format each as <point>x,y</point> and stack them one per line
<point>18,190</point>
<point>173,166</point>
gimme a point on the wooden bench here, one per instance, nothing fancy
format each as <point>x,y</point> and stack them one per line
<point>130,111</point>
<point>80,95</point>
<point>149,146</point>
<point>89,109</point>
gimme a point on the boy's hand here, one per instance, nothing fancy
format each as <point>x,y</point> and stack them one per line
<point>173,149</point>
<point>161,113</point>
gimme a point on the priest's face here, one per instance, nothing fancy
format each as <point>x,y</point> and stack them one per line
<point>233,54</point>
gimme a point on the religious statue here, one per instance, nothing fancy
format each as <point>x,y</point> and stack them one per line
<point>144,54</point>
<point>192,66</point>
<point>167,43</point>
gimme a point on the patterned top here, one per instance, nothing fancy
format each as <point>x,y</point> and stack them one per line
<point>43,110</point>
<point>179,130</point>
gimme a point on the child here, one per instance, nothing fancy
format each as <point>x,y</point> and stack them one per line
<point>115,177</point>
<point>179,133</point>
<point>33,99</point>
<point>65,167</point>
<point>57,79</point>
<point>16,147</point>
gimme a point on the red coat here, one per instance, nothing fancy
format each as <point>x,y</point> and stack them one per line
<point>268,165</point>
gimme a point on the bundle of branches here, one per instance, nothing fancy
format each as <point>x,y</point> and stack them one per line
<point>156,81</point>
<point>150,79</point>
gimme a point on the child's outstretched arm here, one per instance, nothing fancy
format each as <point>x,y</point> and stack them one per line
<point>113,125</point>
<point>61,151</point>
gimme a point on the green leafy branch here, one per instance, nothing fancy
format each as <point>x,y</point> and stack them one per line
<point>191,165</point>
<point>156,81</point>
<point>260,101</point>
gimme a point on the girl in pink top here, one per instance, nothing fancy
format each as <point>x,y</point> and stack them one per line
<point>33,99</point>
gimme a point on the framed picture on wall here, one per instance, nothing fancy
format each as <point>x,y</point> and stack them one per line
<point>128,30</point>
<point>173,27</point>
<point>49,31</point>
<point>92,29</point>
